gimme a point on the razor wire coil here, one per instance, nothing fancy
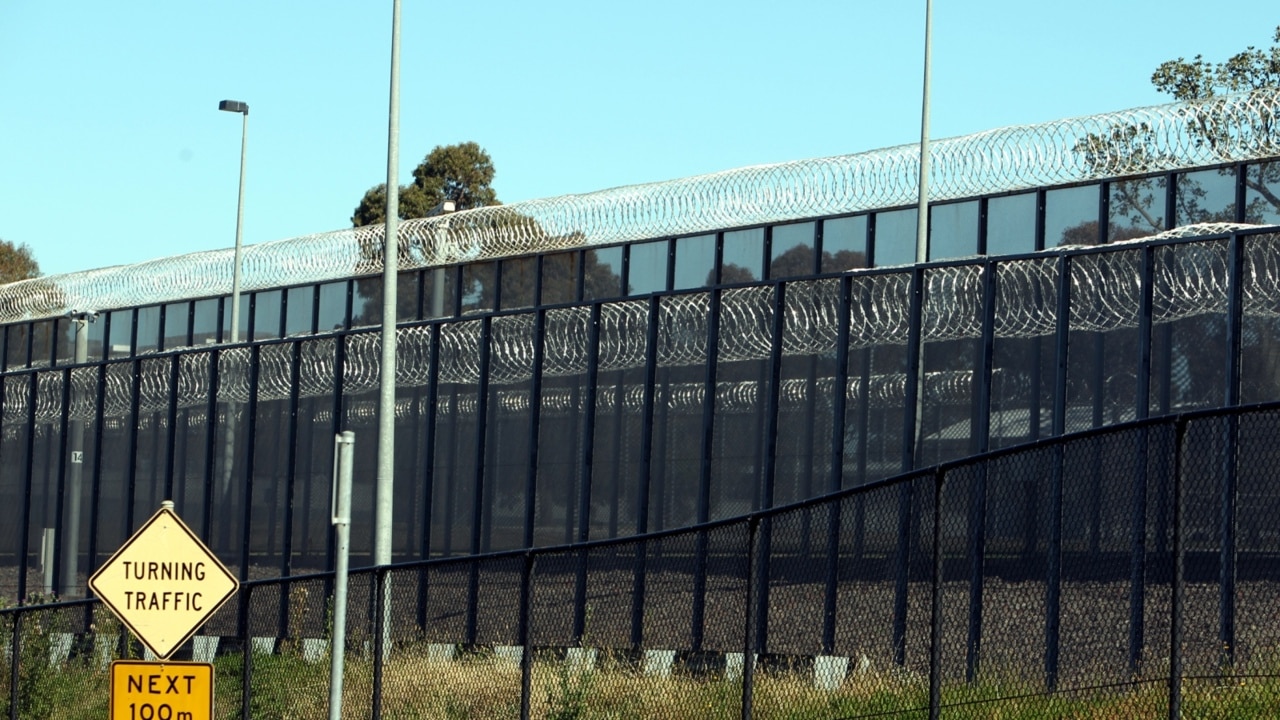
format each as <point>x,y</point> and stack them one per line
<point>1189,278</point>
<point>1144,140</point>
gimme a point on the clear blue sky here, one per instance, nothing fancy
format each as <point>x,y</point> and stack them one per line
<point>112,150</point>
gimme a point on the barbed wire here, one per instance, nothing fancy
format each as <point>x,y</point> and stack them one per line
<point>1189,279</point>
<point>1153,139</point>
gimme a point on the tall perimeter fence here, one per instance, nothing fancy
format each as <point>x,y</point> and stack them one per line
<point>1128,571</point>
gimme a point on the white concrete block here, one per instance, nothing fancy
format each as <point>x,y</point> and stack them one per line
<point>733,666</point>
<point>659,662</point>
<point>204,648</point>
<point>104,647</point>
<point>314,649</point>
<point>508,656</point>
<point>440,652</point>
<point>580,659</point>
<point>60,647</point>
<point>829,671</point>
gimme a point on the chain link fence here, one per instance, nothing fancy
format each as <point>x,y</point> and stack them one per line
<point>1121,572</point>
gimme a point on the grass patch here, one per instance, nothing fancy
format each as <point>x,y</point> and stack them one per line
<point>483,684</point>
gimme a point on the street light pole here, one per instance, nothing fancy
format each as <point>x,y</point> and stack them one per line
<point>243,109</point>
<point>229,443</point>
<point>922,214</point>
<point>390,269</point>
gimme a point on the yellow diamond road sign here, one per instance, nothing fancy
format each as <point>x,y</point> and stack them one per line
<point>163,583</point>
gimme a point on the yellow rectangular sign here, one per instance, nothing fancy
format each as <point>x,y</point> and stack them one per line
<point>164,690</point>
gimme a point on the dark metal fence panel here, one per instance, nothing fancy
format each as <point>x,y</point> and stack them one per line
<point>1260,331</point>
<point>496,636</point>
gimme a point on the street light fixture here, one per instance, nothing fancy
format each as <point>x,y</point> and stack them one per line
<point>236,106</point>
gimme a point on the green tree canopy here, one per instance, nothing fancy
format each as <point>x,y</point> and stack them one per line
<point>16,263</point>
<point>462,173</point>
<point>1139,203</point>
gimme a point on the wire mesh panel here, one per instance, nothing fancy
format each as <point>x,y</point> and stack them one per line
<point>1023,358</point>
<point>877,376</point>
<point>1009,643</point>
<point>274,461</point>
<point>562,479</point>
<point>741,392</point>
<point>1260,335</point>
<point>1209,516</point>
<point>1256,543</point>
<point>949,422</point>
<point>13,445</point>
<point>805,399</point>
<point>313,470</point>
<point>193,453</point>
<point>1190,326</point>
<point>1104,494</point>
<point>54,661</point>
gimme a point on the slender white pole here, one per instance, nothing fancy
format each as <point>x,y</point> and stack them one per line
<point>390,267</point>
<point>344,448</point>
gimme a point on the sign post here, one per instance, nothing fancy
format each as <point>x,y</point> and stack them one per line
<point>163,584</point>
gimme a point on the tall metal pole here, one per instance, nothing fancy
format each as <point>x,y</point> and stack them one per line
<point>390,267</point>
<point>922,230</point>
<point>229,447</point>
<point>240,215</point>
<point>343,451</point>
<point>71,537</point>
<point>922,214</point>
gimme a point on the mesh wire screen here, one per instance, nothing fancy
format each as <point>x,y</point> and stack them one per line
<point>1053,576</point>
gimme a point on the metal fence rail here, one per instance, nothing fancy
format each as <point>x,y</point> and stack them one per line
<point>1123,571</point>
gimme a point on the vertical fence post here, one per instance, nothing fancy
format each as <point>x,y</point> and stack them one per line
<point>935,615</point>
<point>382,642</point>
<point>1179,549</point>
<point>770,465</point>
<point>291,469</point>
<point>911,407</point>
<point>706,452</point>
<point>840,390</point>
<point>29,478</point>
<point>1053,579</point>
<point>523,634</point>
<point>587,468</point>
<point>750,625</point>
<point>429,469</point>
<point>1227,562</point>
<point>1138,513</point>
<point>250,444</point>
<point>646,465</point>
<point>246,650</point>
<point>478,492</point>
<point>535,424</point>
<point>981,442</point>
<point>15,660</point>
